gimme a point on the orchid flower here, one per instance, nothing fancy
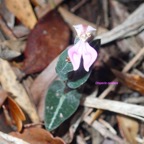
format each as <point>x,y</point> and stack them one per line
<point>82,49</point>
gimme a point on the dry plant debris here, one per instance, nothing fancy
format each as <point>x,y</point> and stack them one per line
<point>43,100</point>
<point>44,43</point>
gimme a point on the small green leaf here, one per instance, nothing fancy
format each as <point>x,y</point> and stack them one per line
<point>77,83</point>
<point>59,106</point>
<point>63,67</point>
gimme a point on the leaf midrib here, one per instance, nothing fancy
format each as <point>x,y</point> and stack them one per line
<point>57,111</point>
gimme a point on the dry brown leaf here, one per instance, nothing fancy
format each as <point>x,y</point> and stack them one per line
<point>48,39</point>
<point>16,113</point>
<point>128,128</point>
<point>35,135</point>
<point>3,96</point>
<point>22,9</point>
<point>132,81</point>
<point>9,83</point>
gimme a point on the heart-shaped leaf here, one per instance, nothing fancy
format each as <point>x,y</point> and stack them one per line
<point>59,105</point>
<point>65,71</point>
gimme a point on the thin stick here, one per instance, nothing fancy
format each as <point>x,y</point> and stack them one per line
<point>105,10</point>
<point>134,60</point>
<point>132,110</point>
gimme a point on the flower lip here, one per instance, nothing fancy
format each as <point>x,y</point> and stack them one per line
<point>82,49</point>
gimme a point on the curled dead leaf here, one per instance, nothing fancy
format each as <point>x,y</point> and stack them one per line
<point>16,113</point>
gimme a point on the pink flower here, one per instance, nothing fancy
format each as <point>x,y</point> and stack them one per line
<point>82,49</point>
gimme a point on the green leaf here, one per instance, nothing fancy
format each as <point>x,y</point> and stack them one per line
<point>63,67</point>
<point>59,106</point>
<point>75,84</point>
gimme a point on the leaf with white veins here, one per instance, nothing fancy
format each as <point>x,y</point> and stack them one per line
<point>59,105</point>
